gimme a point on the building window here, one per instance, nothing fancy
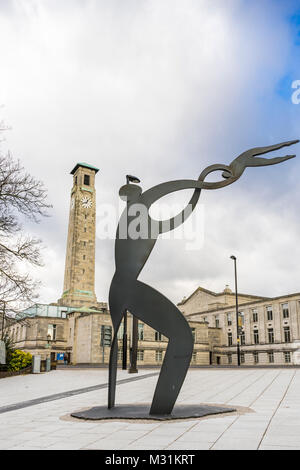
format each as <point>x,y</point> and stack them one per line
<point>269,312</point>
<point>140,354</point>
<point>194,334</point>
<point>230,339</point>
<point>287,334</point>
<point>256,336</point>
<point>255,316</point>
<point>120,354</point>
<point>158,336</point>
<point>120,331</point>
<point>255,356</point>
<point>51,332</point>
<point>271,357</point>
<point>83,257</point>
<point>285,311</point>
<point>229,358</point>
<point>86,180</point>
<point>75,179</point>
<point>229,319</point>
<point>217,322</point>
<point>242,338</point>
<point>287,356</point>
<point>194,356</point>
<point>84,229</point>
<point>158,356</point>
<point>270,335</point>
<point>141,332</point>
<point>242,358</point>
<point>205,319</point>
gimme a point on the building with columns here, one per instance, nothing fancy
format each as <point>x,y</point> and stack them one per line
<point>269,326</point>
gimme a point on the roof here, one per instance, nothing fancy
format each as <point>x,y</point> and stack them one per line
<point>217,294</point>
<point>84,165</point>
<point>246,304</point>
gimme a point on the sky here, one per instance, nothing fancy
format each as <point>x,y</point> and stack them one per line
<point>160,90</point>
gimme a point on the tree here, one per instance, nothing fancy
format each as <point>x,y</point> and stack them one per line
<point>21,197</point>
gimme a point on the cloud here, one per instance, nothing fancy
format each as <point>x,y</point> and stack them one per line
<point>160,90</point>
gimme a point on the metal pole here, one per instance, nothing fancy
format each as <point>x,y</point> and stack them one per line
<point>3,319</point>
<point>237,314</point>
<point>133,355</point>
<point>124,365</point>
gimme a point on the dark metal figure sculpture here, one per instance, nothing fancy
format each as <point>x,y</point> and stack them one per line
<point>144,302</point>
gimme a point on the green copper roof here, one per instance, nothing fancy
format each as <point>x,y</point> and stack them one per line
<point>84,165</point>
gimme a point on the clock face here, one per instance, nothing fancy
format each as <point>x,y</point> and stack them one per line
<point>86,202</point>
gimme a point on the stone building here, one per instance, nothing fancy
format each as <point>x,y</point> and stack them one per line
<point>48,330</point>
<point>269,327</point>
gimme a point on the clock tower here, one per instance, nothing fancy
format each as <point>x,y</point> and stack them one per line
<point>79,280</point>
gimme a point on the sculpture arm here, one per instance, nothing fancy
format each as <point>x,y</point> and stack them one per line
<point>163,189</point>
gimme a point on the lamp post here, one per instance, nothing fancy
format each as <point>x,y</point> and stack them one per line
<point>237,313</point>
<point>134,334</point>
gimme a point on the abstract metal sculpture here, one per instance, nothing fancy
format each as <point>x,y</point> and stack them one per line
<point>144,302</point>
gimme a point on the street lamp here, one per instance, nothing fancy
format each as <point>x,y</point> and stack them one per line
<point>237,313</point>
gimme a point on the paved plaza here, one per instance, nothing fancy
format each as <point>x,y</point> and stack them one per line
<point>35,411</point>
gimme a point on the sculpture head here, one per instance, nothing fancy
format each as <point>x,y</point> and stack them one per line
<point>130,192</point>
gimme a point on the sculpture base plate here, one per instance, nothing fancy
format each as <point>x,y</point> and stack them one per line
<point>142,412</point>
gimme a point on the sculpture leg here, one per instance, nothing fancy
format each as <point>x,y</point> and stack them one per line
<point>160,314</point>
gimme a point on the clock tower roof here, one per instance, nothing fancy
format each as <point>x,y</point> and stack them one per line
<point>84,165</point>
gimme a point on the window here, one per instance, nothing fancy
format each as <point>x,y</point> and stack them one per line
<point>269,312</point>
<point>255,357</point>
<point>158,336</point>
<point>287,356</point>
<point>270,335</point>
<point>120,354</point>
<point>230,339</point>
<point>75,179</point>
<point>141,332</point>
<point>84,229</point>
<point>285,311</point>
<point>287,334</point>
<point>256,336</point>
<point>229,319</point>
<point>120,331</point>
<point>83,257</point>
<point>255,315</point>
<point>194,333</point>
<point>271,357</point>
<point>158,356</point>
<point>194,357</point>
<point>86,180</point>
<point>217,321</point>
<point>140,354</point>
<point>242,338</point>
<point>242,358</point>
<point>51,332</point>
<point>229,358</point>
<point>205,319</point>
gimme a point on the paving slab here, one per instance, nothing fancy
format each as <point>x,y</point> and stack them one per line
<point>271,398</point>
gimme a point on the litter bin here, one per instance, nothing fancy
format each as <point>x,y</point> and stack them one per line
<point>36,364</point>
